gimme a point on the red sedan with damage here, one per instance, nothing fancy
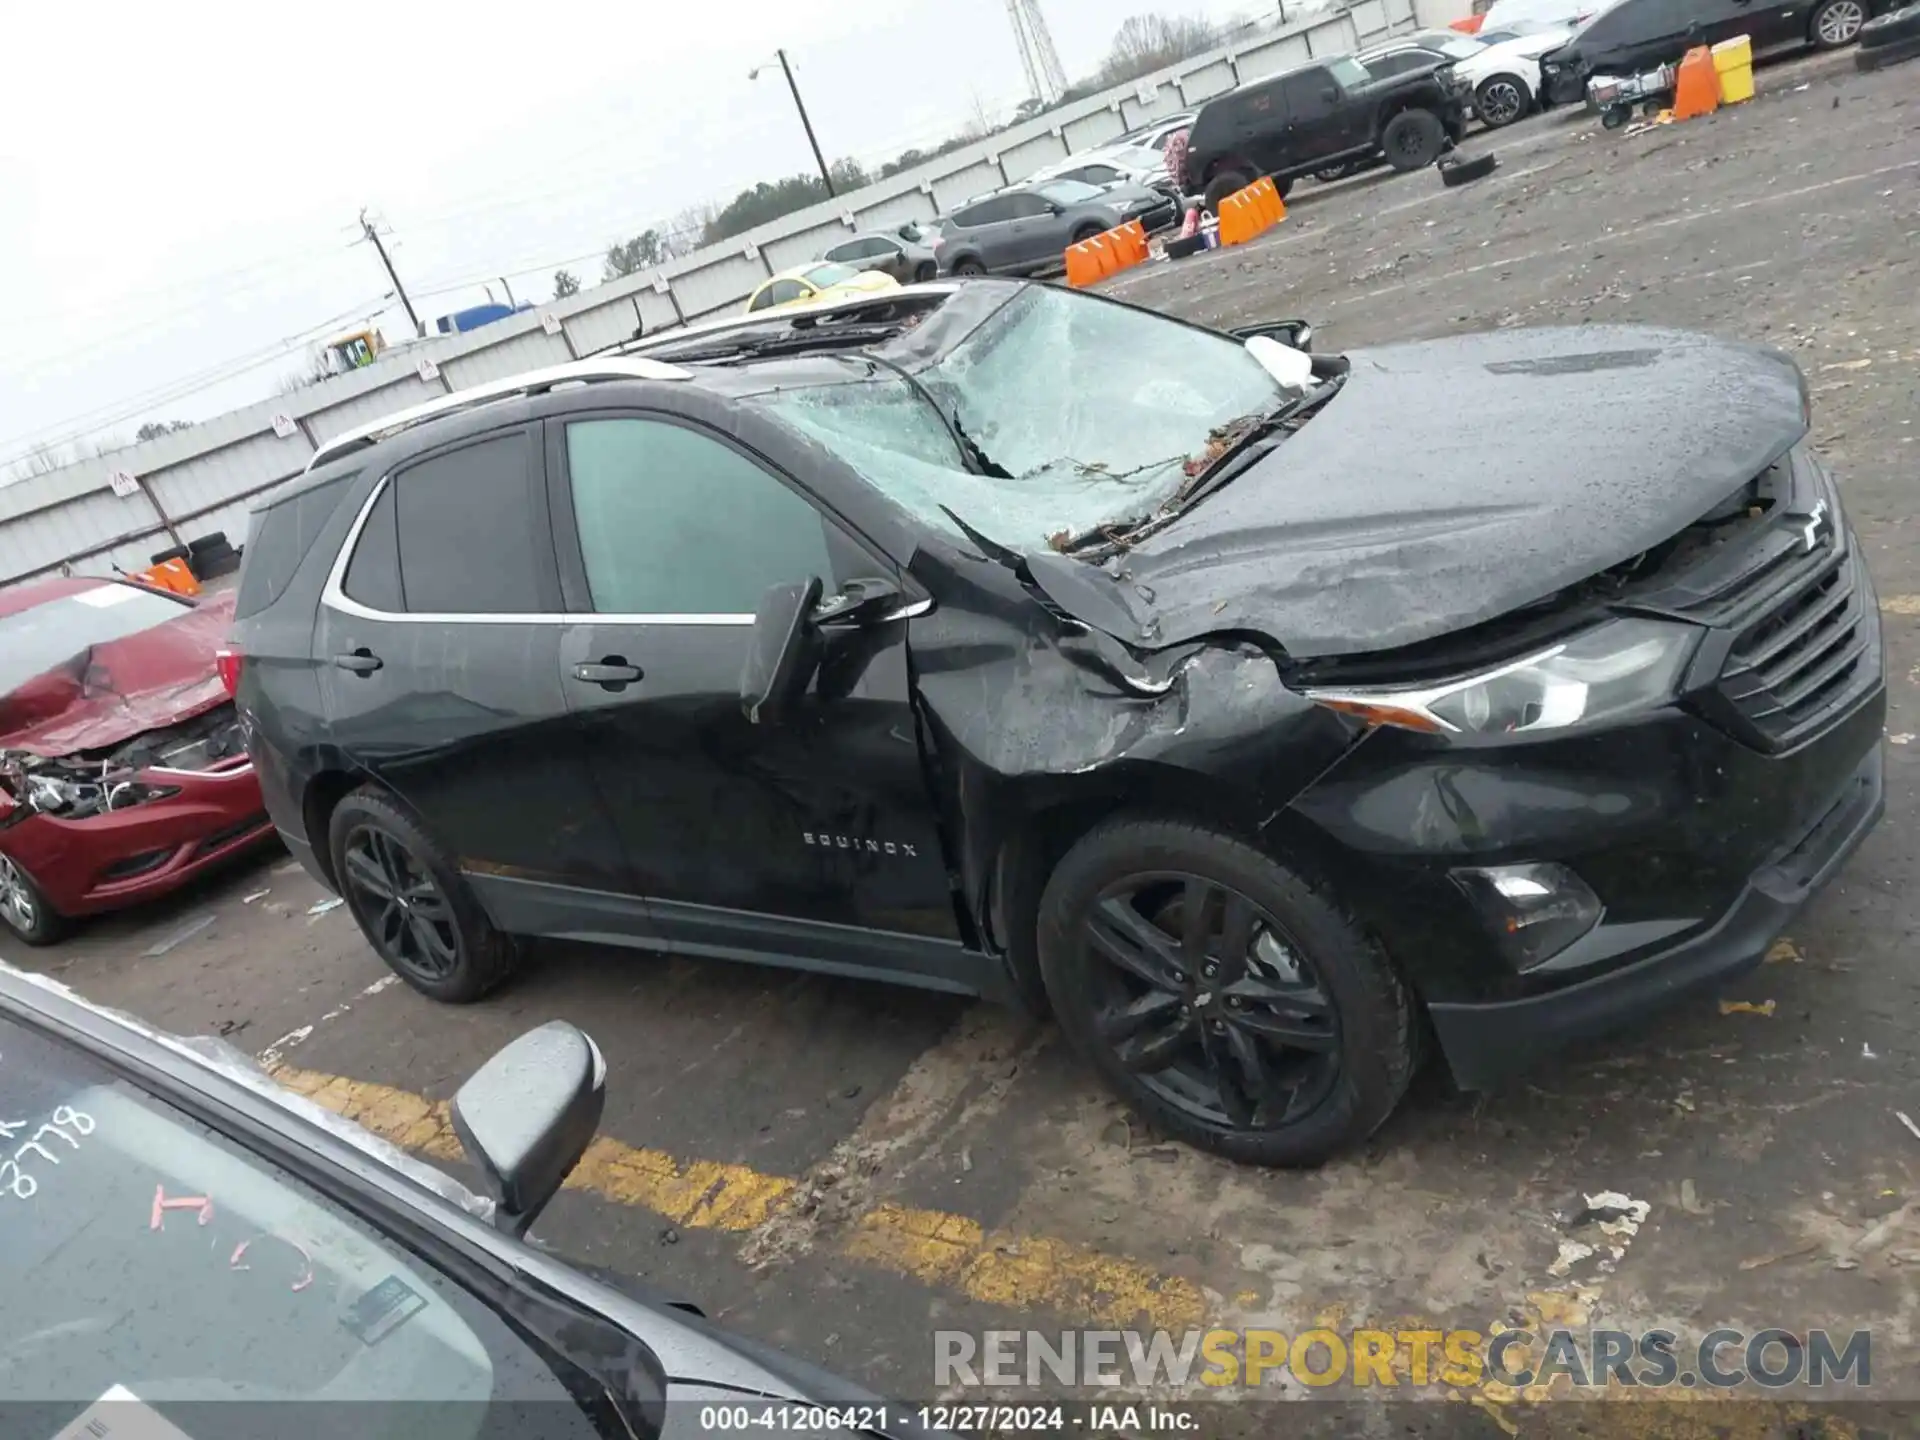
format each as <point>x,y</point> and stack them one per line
<point>123,770</point>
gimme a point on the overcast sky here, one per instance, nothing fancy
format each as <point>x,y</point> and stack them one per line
<point>179,183</point>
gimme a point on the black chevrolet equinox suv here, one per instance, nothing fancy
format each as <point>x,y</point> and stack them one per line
<point>1011,641</point>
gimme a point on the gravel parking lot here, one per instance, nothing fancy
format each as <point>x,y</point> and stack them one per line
<point>842,1168</point>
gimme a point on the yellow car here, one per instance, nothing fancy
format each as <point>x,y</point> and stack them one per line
<point>822,280</point>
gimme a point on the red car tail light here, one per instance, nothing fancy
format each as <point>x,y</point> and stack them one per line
<point>227,661</point>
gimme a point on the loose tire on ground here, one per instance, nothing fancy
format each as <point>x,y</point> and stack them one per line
<point>1377,1042</point>
<point>1413,140</point>
<point>1890,28</point>
<point>483,957</point>
<point>1881,56</point>
<point>1460,172</point>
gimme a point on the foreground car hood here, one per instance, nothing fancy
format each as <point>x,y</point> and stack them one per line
<point>1452,481</point>
<point>107,694</point>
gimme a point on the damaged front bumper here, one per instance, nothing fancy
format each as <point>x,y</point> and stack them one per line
<point>1700,848</point>
<point>96,832</point>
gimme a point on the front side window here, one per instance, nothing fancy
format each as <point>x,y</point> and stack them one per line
<point>1067,192</point>
<point>41,637</point>
<point>675,522</point>
<point>1130,398</point>
<point>1349,72</point>
<point>466,524</point>
<point>147,1257</point>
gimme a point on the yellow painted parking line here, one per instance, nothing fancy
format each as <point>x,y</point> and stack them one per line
<point>1024,1272</point>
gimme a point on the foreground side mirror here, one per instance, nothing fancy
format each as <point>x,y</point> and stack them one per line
<point>783,653</point>
<point>527,1116</point>
<point>1297,333</point>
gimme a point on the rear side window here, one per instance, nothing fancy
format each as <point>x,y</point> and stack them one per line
<point>373,575</point>
<point>673,522</point>
<point>278,539</point>
<point>467,528</point>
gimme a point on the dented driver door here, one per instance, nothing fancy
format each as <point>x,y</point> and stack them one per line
<point>812,840</point>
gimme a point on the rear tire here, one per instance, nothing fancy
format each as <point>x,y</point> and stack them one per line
<point>1313,1037</point>
<point>24,909</point>
<point>410,901</point>
<point>1223,185</point>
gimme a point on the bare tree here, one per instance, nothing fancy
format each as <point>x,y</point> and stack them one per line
<point>1146,43</point>
<point>565,283</point>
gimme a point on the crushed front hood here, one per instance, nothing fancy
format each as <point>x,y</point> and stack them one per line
<point>1453,481</point>
<point>108,694</point>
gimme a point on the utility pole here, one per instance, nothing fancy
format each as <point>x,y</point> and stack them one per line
<point>367,228</point>
<point>826,176</point>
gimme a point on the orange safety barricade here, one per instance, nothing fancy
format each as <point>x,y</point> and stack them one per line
<point>1082,266</point>
<point>172,575</point>
<point>1696,86</point>
<point>1106,254</point>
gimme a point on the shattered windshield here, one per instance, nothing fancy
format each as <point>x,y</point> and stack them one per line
<point>1096,413</point>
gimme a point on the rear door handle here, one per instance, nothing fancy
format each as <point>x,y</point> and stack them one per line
<point>610,672</point>
<point>361,662</point>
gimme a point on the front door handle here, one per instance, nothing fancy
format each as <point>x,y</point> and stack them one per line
<point>610,672</point>
<point>361,662</point>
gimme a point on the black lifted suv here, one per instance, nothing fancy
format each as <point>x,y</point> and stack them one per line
<point>1322,115</point>
<point>1009,641</point>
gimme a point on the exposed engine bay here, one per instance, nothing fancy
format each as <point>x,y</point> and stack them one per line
<point>87,783</point>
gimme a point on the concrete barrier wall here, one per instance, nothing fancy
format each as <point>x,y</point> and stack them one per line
<point>118,509</point>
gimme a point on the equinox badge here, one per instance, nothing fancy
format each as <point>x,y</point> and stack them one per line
<point>854,842</point>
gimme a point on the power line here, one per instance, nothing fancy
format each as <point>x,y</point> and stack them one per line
<point>79,426</point>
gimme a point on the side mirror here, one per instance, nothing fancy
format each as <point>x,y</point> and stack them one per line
<point>1295,333</point>
<point>527,1116</point>
<point>785,649</point>
<point>860,603</point>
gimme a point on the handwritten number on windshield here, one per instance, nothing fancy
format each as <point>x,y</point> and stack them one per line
<point>13,1175</point>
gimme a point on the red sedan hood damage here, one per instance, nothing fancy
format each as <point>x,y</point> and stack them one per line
<point>108,694</point>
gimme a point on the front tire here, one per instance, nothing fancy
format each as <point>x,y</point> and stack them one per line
<point>1228,998</point>
<point>968,267</point>
<point>411,903</point>
<point>1501,100</point>
<point>1413,140</point>
<point>927,271</point>
<point>24,909</point>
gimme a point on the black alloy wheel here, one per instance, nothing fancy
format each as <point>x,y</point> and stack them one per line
<point>412,903</point>
<point>1232,999</point>
<point>400,905</point>
<point>1211,1003</point>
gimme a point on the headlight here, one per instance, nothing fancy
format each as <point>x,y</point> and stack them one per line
<point>1613,669</point>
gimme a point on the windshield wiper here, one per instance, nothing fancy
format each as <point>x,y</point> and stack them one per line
<point>1228,463</point>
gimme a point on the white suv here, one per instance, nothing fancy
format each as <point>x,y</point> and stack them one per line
<point>1505,77</point>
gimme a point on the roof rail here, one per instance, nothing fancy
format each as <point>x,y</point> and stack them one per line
<point>531,382</point>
